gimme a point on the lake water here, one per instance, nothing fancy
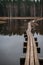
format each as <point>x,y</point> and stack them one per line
<point>39,34</point>
<point>11,44</point>
<point>40,44</point>
<point>11,49</point>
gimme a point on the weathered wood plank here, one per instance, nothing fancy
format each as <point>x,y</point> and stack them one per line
<point>35,54</point>
<point>31,52</point>
<point>31,46</point>
<point>31,55</point>
<point>27,59</point>
<point>35,49</point>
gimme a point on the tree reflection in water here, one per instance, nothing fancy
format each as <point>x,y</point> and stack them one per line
<point>18,27</point>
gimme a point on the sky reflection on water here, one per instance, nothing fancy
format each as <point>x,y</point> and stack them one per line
<point>11,49</point>
<point>40,43</point>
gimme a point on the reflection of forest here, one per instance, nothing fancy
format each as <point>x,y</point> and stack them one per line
<point>17,27</point>
<point>20,8</point>
<point>38,28</point>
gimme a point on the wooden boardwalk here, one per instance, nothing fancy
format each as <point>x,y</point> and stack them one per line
<point>31,54</point>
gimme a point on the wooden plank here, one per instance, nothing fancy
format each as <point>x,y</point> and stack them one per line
<point>27,59</point>
<point>31,45</point>
<point>35,49</point>
<point>31,52</point>
<point>31,55</point>
<point>35,53</point>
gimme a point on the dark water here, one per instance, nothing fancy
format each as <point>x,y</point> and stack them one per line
<point>11,42</point>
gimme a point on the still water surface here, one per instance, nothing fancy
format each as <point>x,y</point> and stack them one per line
<point>11,43</point>
<point>40,43</point>
<point>11,49</point>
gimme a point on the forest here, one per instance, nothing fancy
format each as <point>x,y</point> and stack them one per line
<point>21,8</point>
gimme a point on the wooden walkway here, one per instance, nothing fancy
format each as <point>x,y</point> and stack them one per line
<point>31,54</point>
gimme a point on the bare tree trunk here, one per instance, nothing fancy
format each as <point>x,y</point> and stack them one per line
<point>41,10</point>
<point>34,11</point>
<point>15,14</point>
<point>31,10</point>
<point>34,8</point>
<point>41,1</point>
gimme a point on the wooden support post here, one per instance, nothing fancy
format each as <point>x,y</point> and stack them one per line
<point>22,61</point>
<point>38,49</point>
<point>26,39</point>
<point>35,39</point>
<point>36,43</point>
<point>41,61</point>
<point>24,50</point>
<point>25,44</point>
<point>25,35</point>
<point>31,51</point>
